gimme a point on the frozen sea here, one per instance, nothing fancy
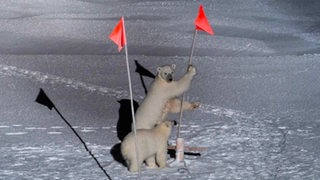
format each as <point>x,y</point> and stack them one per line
<point>257,80</point>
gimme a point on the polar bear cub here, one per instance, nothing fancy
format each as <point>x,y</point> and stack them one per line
<point>151,144</point>
<point>163,89</point>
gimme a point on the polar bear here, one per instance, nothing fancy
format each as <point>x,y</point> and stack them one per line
<point>161,97</point>
<point>151,144</point>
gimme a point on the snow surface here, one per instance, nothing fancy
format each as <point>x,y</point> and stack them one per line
<point>259,79</point>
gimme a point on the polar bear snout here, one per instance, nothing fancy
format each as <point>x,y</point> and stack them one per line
<point>169,77</point>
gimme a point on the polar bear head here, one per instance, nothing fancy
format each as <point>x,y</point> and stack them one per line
<point>165,127</point>
<point>166,72</point>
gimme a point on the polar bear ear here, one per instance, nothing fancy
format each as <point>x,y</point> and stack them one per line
<point>173,66</point>
<point>159,69</point>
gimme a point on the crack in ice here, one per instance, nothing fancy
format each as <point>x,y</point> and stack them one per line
<point>53,79</point>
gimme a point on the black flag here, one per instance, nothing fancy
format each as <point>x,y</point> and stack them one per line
<point>43,99</point>
<point>143,71</point>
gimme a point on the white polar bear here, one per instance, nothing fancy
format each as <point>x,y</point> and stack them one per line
<point>160,98</point>
<point>151,145</point>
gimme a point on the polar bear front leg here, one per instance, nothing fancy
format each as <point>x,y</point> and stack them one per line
<point>151,162</point>
<point>161,159</point>
<point>174,105</point>
<point>176,88</point>
<point>132,165</point>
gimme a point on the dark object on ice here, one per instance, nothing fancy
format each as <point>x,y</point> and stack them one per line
<point>116,153</point>
<point>143,72</point>
<point>123,127</point>
<point>125,117</point>
<point>172,153</point>
<point>43,99</point>
<point>196,150</point>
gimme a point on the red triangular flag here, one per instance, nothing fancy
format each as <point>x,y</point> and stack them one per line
<point>118,35</point>
<point>202,22</point>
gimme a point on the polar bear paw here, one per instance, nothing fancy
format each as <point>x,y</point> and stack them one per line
<point>195,105</point>
<point>192,70</point>
<point>151,163</point>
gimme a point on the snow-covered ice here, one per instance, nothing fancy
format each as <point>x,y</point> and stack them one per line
<point>259,79</point>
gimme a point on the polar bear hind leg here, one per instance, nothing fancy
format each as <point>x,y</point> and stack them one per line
<point>161,159</point>
<point>151,162</point>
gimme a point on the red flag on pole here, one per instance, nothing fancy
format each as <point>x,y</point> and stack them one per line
<point>118,35</point>
<point>202,22</point>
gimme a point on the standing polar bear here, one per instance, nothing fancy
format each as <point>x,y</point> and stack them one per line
<point>160,99</point>
<point>151,145</point>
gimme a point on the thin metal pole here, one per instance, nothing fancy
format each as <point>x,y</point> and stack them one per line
<point>192,47</point>
<point>183,95</point>
<point>132,108</point>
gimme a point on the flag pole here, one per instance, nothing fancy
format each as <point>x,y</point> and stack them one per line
<point>132,107</point>
<point>192,47</point>
<point>183,95</point>
<point>201,23</point>
<point>179,140</point>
